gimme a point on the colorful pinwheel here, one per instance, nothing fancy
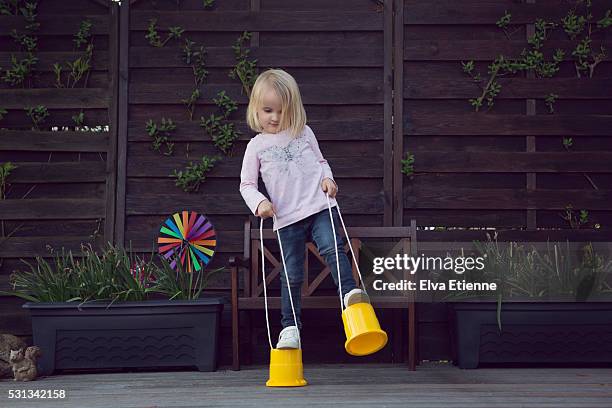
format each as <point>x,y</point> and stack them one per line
<point>187,236</point>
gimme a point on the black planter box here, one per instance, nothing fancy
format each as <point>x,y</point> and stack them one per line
<point>152,333</point>
<point>532,333</point>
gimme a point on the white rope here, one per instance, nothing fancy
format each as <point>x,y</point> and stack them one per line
<point>263,271</point>
<point>337,257</point>
<point>288,284</point>
<point>348,240</point>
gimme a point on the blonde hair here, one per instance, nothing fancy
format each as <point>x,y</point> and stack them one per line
<point>293,116</point>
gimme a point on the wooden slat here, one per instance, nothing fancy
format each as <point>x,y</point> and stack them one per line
<point>123,73</point>
<point>324,130</point>
<point>261,21</point>
<point>58,24</point>
<point>155,166</point>
<point>66,172</point>
<point>146,241</point>
<point>398,112</point>
<point>65,141</point>
<point>51,209</point>
<point>324,302</point>
<point>340,93</point>
<point>354,232</point>
<point>518,235</point>
<point>46,59</point>
<point>142,57</point>
<point>544,162</point>
<point>388,112</point>
<point>163,204</point>
<point>479,50</point>
<point>511,88</point>
<point>475,12</point>
<point>29,247</point>
<point>508,125</point>
<point>111,158</point>
<point>509,199</point>
<point>53,98</point>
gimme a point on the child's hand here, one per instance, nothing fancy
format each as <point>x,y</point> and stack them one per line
<point>265,209</point>
<point>329,187</point>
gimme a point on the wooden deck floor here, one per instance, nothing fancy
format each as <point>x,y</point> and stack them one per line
<point>432,385</point>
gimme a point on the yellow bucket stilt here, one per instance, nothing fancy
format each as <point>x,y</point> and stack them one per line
<point>363,333</point>
<point>286,368</point>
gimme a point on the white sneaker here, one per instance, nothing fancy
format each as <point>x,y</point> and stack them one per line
<point>288,338</point>
<point>356,296</point>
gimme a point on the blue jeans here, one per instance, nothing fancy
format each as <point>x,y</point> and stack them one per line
<point>293,239</point>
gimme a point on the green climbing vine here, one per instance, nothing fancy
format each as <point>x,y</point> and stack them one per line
<point>5,171</point>
<point>217,125</point>
<point>161,135</point>
<point>578,27</point>
<point>408,164</point>
<point>38,114</point>
<point>154,38</point>
<point>21,70</point>
<point>245,69</point>
<point>218,128</point>
<point>194,174</point>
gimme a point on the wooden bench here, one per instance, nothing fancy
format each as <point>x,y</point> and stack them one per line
<point>250,297</point>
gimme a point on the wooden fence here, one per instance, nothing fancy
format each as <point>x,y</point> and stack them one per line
<point>379,79</point>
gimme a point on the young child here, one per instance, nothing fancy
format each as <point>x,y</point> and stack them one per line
<point>297,178</point>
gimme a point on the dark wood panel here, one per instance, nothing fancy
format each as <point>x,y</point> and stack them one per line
<point>315,112</point>
<point>50,209</point>
<point>508,125</point>
<point>58,172</point>
<point>146,240</point>
<point>189,5</point>
<point>553,219</point>
<point>16,118</point>
<point>56,190</point>
<point>46,60</point>
<point>516,235</point>
<point>51,228</point>
<point>478,12</point>
<point>57,24</point>
<point>316,39</point>
<point>449,144</point>
<point>143,57</point>
<point>466,218</point>
<point>440,161</point>
<point>15,320</point>
<point>65,141</point>
<point>260,21</point>
<point>335,6</point>
<point>29,247</point>
<point>511,88</point>
<point>163,204</point>
<point>478,50</point>
<point>345,130</point>
<point>506,199</point>
<point>53,98</point>
<point>343,93</point>
<point>482,181</point>
<point>155,166</point>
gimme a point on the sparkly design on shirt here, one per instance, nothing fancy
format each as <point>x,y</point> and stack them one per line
<point>285,155</point>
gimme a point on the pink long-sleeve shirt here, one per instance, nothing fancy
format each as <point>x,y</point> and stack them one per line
<point>292,169</point>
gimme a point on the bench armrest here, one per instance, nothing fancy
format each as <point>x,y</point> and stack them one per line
<point>239,261</point>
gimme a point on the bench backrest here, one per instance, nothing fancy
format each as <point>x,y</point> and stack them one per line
<point>406,244</point>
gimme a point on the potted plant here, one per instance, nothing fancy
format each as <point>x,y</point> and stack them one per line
<point>551,305</point>
<point>116,310</point>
